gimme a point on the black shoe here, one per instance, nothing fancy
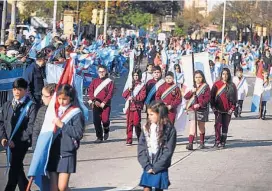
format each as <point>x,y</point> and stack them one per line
<point>98,140</point>
<point>106,136</point>
<point>190,147</point>
<point>202,146</point>
<point>216,145</point>
<point>235,114</point>
<point>222,145</point>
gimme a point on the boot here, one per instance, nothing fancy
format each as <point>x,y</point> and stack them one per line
<point>261,114</point>
<point>216,145</point>
<point>223,141</point>
<point>190,147</point>
<point>201,146</point>
<point>236,112</point>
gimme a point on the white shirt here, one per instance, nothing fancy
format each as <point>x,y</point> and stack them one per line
<point>266,92</point>
<point>146,77</point>
<point>243,90</point>
<point>154,145</point>
<point>62,110</point>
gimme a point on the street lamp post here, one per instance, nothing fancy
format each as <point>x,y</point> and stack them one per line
<point>106,20</point>
<point>55,16</point>
<point>3,27</point>
<point>12,32</point>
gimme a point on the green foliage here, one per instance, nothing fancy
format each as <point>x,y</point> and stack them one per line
<point>178,31</point>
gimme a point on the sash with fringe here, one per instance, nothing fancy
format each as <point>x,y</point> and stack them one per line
<point>199,91</point>
<point>220,91</point>
<point>135,92</point>
<point>153,91</point>
<point>168,91</point>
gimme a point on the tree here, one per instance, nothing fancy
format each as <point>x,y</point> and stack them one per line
<point>191,20</point>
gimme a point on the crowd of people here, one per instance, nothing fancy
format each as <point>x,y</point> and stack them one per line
<point>160,88</point>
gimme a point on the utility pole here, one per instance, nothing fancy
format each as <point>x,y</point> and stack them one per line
<point>55,17</point>
<point>106,20</point>
<point>3,27</point>
<point>223,28</point>
<point>12,26</point>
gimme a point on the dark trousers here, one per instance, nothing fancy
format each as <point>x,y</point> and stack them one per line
<point>16,174</point>
<point>222,121</point>
<point>133,119</point>
<point>235,66</point>
<point>239,107</point>
<point>101,117</point>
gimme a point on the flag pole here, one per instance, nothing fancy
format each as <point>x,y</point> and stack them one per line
<point>193,65</point>
<point>30,183</point>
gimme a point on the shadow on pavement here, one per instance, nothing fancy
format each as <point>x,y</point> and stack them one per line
<point>102,159</point>
<point>104,142</point>
<point>247,143</point>
<point>93,189</point>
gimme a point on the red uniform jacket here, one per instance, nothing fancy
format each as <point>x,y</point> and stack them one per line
<point>137,102</point>
<point>173,98</point>
<point>223,103</point>
<point>104,95</point>
<point>203,99</point>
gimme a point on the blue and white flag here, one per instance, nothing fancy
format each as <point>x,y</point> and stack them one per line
<point>7,77</point>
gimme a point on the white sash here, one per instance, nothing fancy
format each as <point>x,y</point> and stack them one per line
<point>70,115</point>
<point>101,86</point>
<point>135,92</point>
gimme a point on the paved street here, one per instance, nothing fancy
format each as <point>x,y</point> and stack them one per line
<point>245,164</point>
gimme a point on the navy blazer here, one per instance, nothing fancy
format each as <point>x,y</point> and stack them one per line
<point>67,141</point>
<point>35,76</point>
<point>9,118</point>
<point>162,160</point>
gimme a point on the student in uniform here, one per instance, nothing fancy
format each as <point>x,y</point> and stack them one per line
<point>63,152</point>
<point>155,82</point>
<point>21,141</point>
<point>170,94</point>
<point>148,74</point>
<point>100,95</point>
<point>47,93</point>
<point>265,94</point>
<point>223,103</point>
<point>135,96</point>
<point>156,147</point>
<point>178,74</point>
<point>242,89</point>
<point>199,99</point>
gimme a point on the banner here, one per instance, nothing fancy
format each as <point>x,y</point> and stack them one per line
<point>201,61</point>
<point>7,77</point>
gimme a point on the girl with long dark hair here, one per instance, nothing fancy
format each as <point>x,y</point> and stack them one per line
<point>156,147</point>
<point>134,96</point>
<point>199,98</point>
<point>223,103</point>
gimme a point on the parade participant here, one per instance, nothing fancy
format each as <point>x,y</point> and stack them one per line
<point>211,64</point>
<point>100,95</point>
<point>170,94</point>
<point>153,84</point>
<point>47,93</point>
<point>63,152</point>
<point>147,75</point>
<point>199,99</point>
<point>19,113</point>
<point>267,58</point>
<point>236,58</point>
<point>156,147</point>
<point>217,68</point>
<point>265,94</point>
<point>179,76</point>
<point>242,89</point>
<point>35,76</point>
<point>223,103</point>
<point>134,96</point>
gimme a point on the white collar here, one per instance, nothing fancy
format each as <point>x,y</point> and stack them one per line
<point>22,100</point>
<point>64,108</point>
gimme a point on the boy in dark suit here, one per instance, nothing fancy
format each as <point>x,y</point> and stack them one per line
<point>19,143</point>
